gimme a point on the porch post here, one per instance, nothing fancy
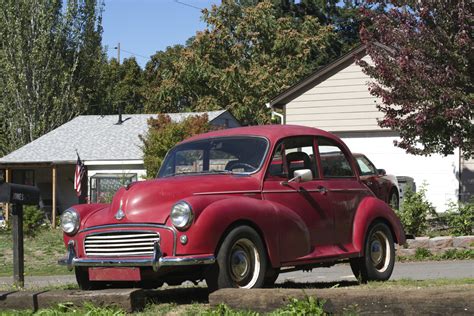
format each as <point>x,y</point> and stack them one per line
<point>53,206</point>
<point>8,176</point>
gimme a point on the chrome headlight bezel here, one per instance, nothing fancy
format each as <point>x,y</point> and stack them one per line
<point>181,215</point>
<point>70,221</point>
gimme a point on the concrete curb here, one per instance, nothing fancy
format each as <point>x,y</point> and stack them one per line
<point>126,299</point>
<point>455,300</point>
<point>130,300</point>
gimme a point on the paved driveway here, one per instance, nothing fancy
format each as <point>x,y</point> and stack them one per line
<point>410,270</point>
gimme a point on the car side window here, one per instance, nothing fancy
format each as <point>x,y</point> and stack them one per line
<point>293,154</point>
<point>365,166</point>
<point>334,162</point>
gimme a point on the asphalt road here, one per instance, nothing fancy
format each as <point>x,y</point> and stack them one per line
<point>410,270</point>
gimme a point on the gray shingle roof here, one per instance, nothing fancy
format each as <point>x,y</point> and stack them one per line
<point>95,137</point>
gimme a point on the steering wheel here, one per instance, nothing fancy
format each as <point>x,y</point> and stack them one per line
<point>247,167</point>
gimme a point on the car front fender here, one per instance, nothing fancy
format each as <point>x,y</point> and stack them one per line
<point>214,221</point>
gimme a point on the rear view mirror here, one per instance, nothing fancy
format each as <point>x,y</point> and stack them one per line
<point>381,172</point>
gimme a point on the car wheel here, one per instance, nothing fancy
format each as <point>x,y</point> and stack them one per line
<point>82,278</point>
<point>394,201</point>
<point>379,259</point>
<point>241,261</point>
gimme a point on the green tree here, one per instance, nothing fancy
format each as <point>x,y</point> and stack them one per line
<point>49,56</point>
<point>422,55</point>
<point>163,134</point>
<point>247,55</point>
<point>122,86</point>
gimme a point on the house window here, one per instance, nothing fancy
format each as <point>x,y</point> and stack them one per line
<point>2,176</point>
<point>104,185</point>
<point>23,176</point>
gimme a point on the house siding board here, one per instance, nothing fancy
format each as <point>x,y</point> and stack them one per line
<point>340,103</point>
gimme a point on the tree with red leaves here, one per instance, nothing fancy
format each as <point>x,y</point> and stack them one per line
<point>422,57</point>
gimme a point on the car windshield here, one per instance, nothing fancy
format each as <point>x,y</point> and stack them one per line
<point>243,155</point>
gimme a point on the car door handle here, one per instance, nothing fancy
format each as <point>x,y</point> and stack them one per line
<point>322,190</point>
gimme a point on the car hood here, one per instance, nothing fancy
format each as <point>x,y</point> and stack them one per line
<point>151,201</point>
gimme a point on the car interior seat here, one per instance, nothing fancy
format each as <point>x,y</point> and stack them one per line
<point>296,161</point>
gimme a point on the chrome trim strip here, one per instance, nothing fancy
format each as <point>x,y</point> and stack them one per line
<point>347,190</point>
<point>172,229</point>
<point>314,190</point>
<point>229,192</point>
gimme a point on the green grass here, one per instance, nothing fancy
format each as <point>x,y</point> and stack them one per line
<point>423,254</point>
<point>417,283</point>
<point>307,306</point>
<point>41,253</point>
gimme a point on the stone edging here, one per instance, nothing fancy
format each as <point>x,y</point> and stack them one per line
<point>436,245</point>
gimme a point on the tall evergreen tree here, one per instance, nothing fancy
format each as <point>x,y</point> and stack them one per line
<point>49,55</point>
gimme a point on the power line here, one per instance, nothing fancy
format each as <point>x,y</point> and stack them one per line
<point>134,54</point>
<point>189,5</point>
<point>131,53</point>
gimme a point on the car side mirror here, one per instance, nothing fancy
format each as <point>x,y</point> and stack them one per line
<point>302,175</point>
<point>381,172</point>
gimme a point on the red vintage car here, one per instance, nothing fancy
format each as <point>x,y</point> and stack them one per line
<point>236,207</point>
<point>384,186</point>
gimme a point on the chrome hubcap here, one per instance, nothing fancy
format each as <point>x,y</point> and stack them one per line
<point>393,202</point>
<point>244,263</point>
<point>380,251</point>
<point>240,263</point>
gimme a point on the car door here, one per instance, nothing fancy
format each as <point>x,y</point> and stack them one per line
<point>343,189</point>
<point>302,199</point>
<point>369,175</point>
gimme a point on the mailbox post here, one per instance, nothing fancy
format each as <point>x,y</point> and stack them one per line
<point>18,195</point>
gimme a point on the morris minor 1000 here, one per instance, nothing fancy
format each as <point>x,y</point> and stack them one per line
<point>236,207</point>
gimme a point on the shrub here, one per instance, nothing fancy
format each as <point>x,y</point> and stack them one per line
<point>414,211</point>
<point>460,217</point>
<point>33,219</point>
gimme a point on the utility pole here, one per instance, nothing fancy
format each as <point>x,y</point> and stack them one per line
<point>118,52</point>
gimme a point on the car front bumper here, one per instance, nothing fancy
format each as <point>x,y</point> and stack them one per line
<point>156,261</point>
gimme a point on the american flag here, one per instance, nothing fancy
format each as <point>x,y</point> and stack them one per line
<point>78,175</point>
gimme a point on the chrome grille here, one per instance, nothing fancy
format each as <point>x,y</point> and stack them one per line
<point>123,243</point>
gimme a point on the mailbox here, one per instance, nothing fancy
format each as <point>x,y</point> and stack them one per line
<point>19,194</point>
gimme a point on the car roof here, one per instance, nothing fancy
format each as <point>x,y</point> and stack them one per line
<point>271,132</point>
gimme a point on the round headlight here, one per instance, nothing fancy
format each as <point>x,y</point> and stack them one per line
<point>181,215</point>
<point>70,221</point>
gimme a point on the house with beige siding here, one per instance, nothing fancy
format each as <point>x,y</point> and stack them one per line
<point>336,98</point>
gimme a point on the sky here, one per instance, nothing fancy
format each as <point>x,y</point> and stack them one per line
<point>144,27</point>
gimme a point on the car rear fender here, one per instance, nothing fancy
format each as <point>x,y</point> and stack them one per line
<point>369,211</point>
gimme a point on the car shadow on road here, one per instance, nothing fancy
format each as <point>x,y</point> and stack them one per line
<point>177,295</point>
<point>315,285</point>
